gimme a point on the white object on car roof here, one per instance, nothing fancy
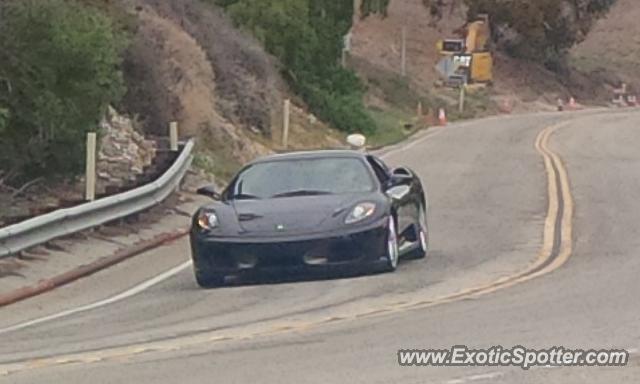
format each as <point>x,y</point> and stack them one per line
<point>356,141</point>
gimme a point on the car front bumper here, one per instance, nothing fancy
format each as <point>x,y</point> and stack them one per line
<point>360,249</point>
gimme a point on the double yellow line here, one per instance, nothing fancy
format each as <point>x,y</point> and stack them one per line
<point>557,241</point>
<point>555,251</point>
<point>559,191</point>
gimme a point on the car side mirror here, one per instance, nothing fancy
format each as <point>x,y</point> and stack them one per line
<point>398,192</point>
<point>209,191</point>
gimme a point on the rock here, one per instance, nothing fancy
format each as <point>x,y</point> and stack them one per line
<point>124,152</point>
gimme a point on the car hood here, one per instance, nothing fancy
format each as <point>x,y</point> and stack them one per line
<point>293,215</point>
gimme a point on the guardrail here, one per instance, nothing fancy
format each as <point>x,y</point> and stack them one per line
<point>63,222</point>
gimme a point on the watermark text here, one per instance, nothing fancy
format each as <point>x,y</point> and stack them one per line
<point>518,356</point>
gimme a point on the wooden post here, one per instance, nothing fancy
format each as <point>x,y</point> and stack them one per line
<point>285,123</point>
<point>173,136</point>
<point>357,13</point>
<point>462,96</point>
<point>90,177</point>
<point>404,51</point>
<point>346,48</point>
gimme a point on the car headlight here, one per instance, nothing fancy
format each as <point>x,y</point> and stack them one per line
<point>208,220</point>
<point>360,212</point>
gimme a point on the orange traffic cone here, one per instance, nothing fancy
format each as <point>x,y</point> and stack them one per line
<point>442,117</point>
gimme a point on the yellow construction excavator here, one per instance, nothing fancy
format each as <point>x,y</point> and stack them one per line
<point>467,59</point>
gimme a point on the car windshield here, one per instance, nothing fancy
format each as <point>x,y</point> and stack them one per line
<point>303,177</point>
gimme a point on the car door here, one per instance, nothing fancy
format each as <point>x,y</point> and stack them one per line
<point>402,189</point>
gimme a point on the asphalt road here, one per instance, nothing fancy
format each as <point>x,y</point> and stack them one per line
<point>489,197</point>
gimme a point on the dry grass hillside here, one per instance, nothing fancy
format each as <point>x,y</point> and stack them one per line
<point>613,45</point>
<point>188,63</point>
<point>379,40</point>
<point>188,85</point>
<point>525,85</point>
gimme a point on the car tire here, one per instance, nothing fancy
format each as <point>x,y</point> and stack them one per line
<point>205,278</point>
<point>392,250</point>
<point>422,250</point>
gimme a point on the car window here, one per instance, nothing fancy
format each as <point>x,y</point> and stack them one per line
<point>325,175</point>
<point>379,168</point>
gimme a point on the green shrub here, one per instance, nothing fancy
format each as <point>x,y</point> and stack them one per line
<point>59,70</point>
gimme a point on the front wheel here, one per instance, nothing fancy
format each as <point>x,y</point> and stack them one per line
<point>422,236</point>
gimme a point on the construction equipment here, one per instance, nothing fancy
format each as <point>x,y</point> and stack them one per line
<point>467,59</point>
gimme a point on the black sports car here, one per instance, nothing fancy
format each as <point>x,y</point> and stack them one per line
<point>310,211</point>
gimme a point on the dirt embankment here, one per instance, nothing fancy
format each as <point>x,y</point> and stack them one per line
<point>189,63</point>
<point>171,78</point>
<point>612,48</point>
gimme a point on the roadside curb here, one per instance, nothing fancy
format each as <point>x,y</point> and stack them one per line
<point>77,273</point>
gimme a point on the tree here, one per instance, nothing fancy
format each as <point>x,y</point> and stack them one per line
<point>60,64</point>
<point>307,37</point>
<point>540,30</point>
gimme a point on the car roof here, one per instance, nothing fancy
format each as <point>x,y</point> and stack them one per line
<point>316,154</point>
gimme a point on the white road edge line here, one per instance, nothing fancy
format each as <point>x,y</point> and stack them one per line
<point>121,296</point>
<point>486,376</point>
<point>475,378</point>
